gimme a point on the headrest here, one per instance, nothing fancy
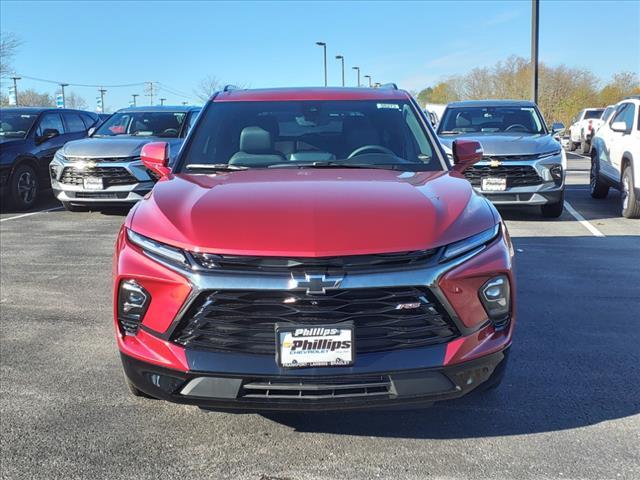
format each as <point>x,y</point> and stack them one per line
<point>255,140</point>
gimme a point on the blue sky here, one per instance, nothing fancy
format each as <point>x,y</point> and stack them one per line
<point>265,43</point>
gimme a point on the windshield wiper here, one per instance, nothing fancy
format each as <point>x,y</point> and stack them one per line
<point>217,167</point>
<point>377,166</point>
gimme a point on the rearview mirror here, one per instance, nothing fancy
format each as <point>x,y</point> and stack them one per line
<point>619,127</point>
<point>465,154</point>
<point>47,134</point>
<point>91,131</point>
<point>155,156</point>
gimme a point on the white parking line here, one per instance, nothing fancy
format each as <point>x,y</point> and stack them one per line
<point>30,213</point>
<point>582,220</point>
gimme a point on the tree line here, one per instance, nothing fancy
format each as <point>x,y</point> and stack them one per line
<point>562,91</point>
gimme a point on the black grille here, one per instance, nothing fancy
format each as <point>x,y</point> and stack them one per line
<point>384,318</point>
<point>105,195</point>
<point>318,388</point>
<point>516,175</point>
<point>111,175</point>
<point>381,261</point>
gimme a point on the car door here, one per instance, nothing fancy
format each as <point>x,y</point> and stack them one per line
<point>47,147</point>
<point>75,127</point>
<point>621,141</point>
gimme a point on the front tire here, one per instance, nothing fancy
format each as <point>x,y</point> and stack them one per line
<point>585,147</point>
<point>23,187</point>
<point>630,203</point>
<point>572,145</point>
<point>553,210</point>
<point>597,187</point>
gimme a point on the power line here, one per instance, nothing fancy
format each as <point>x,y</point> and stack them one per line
<point>57,82</point>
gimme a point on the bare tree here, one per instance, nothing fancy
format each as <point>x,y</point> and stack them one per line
<point>9,44</point>
<point>206,87</point>
<point>73,100</point>
<point>32,98</point>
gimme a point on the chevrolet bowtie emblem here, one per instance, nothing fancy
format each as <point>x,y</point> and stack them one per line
<point>495,163</point>
<point>315,284</point>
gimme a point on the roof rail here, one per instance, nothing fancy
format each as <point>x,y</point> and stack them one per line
<point>391,86</point>
<point>228,88</point>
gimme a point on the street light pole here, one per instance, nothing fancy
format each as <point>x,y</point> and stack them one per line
<point>358,69</point>
<point>324,48</point>
<point>369,77</point>
<point>162,100</point>
<point>134,96</point>
<point>64,101</point>
<point>102,92</point>
<point>341,58</point>
<point>535,30</point>
<point>15,88</point>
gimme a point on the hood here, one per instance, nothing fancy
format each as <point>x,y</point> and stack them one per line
<point>506,143</point>
<point>311,213</point>
<point>11,142</point>
<point>113,147</point>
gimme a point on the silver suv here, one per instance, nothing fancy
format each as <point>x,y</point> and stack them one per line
<point>523,163</point>
<point>105,169</point>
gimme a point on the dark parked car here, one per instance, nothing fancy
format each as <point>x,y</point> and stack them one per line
<point>29,137</point>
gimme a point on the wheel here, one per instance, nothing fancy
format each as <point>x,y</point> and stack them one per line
<point>597,187</point>
<point>135,391</point>
<point>23,187</point>
<point>630,203</point>
<point>553,210</point>
<point>585,147</point>
<point>74,208</point>
<point>572,145</point>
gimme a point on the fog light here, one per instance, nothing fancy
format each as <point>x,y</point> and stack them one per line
<point>133,301</point>
<point>556,173</point>
<point>495,295</point>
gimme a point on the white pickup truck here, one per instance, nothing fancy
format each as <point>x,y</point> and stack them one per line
<point>583,127</point>
<point>615,157</point>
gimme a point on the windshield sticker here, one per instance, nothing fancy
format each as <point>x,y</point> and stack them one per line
<point>393,106</point>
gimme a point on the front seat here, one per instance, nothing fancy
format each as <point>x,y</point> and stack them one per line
<point>256,149</point>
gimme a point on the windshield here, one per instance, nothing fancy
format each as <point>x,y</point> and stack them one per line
<point>149,124</point>
<point>592,114</point>
<point>16,125</point>
<point>607,113</point>
<point>299,134</point>
<point>490,120</point>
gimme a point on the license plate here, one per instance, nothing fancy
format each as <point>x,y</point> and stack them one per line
<point>93,183</point>
<point>494,184</point>
<point>317,346</point>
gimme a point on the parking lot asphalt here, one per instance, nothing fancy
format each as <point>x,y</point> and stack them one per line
<point>569,406</point>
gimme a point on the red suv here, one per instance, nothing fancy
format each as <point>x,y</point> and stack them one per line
<point>309,249</point>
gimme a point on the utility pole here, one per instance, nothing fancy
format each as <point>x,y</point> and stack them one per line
<point>150,94</point>
<point>341,58</point>
<point>134,96</point>
<point>102,92</point>
<point>535,30</point>
<point>185,103</point>
<point>324,48</point>
<point>162,100</point>
<point>358,69</point>
<point>64,101</point>
<point>369,77</point>
<point>15,88</point>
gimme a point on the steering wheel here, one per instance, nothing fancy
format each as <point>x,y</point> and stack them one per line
<point>364,148</point>
<point>169,132</point>
<point>516,125</point>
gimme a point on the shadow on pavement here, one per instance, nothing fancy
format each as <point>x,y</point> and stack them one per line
<point>574,360</point>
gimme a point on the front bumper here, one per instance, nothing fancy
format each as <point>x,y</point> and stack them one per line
<point>126,194</point>
<point>305,390</point>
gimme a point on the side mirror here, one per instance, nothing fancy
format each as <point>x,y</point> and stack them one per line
<point>155,156</point>
<point>557,127</point>
<point>619,127</point>
<point>91,131</point>
<point>47,134</point>
<point>465,154</point>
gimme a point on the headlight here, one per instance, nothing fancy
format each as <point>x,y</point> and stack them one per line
<point>463,246</point>
<point>60,157</point>
<point>495,296</point>
<point>172,254</point>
